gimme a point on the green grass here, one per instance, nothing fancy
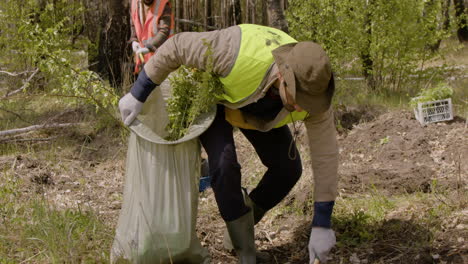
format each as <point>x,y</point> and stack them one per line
<point>412,225</point>
<point>357,93</point>
<point>34,231</point>
<point>388,229</point>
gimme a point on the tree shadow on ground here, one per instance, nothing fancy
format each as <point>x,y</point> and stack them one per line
<point>360,241</point>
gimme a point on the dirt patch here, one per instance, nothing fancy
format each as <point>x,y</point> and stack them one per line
<point>86,174</point>
<point>395,154</point>
<point>388,154</point>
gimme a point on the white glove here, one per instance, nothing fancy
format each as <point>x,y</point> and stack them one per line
<point>129,108</point>
<point>142,51</point>
<point>321,242</point>
<point>135,46</point>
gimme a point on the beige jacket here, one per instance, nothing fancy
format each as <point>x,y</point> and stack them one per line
<point>187,49</point>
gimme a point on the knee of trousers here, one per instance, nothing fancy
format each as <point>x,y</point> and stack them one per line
<point>291,168</point>
<point>225,170</point>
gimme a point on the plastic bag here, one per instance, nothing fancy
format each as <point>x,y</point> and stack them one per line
<point>158,216</point>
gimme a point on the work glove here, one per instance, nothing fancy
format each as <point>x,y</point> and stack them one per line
<point>142,51</point>
<point>135,46</point>
<point>129,108</point>
<point>321,242</point>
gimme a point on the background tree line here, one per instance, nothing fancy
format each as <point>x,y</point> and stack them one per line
<point>79,48</point>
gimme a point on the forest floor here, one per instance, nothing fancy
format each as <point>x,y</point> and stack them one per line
<point>402,194</point>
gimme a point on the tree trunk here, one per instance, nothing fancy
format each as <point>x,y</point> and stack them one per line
<point>112,18</point>
<point>446,14</point>
<point>229,18</point>
<point>276,16</point>
<point>247,12</point>
<point>250,11</point>
<point>178,15</point>
<point>223,13</point>
<point>253,11</point>
<point>237,12</point>
<point>208,15</point>
<point>367,62</point>
<point>428,6</point>
<point>460,12</point>
<point>264,12</point>
<point>445,22</point>
<point>185,14</point>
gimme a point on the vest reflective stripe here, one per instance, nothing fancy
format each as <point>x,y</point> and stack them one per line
<point>151,25</point>
<point>253,60</point>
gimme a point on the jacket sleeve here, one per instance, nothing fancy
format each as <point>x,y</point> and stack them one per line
<point>164,28</point>
<point>323,145</point>
<point>188,49</point>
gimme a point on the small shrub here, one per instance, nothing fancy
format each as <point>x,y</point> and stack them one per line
<point>438,92</point>
<point>194,92</point>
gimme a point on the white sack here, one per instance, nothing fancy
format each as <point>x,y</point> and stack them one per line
<point>158,216</point>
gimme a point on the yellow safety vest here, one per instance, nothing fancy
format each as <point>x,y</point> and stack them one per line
<point>253,60</point>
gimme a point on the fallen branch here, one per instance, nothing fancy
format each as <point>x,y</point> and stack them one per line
<point>15,139</point>
<point>22,87</point>
<point>35,127</point>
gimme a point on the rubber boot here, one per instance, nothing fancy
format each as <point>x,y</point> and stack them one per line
<point>258,213</point>
<point>227,244</point>
<point>241,232</point>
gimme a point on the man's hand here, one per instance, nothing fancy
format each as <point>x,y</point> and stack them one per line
<point>135,46</point>
<point>321,242</point>
<point>129,108</point>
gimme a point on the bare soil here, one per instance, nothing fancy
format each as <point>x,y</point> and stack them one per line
<point>397,155</point>
<point>389,153</point>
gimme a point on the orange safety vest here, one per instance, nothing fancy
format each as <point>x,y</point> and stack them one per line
<point>150,27</point>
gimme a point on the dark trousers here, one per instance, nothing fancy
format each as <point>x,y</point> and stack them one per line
<point>274,150</point>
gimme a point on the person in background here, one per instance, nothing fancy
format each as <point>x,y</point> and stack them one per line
<point>151,24</point>
<point>269,80</point>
